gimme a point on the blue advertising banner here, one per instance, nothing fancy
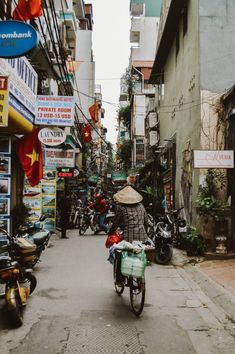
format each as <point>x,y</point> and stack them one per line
<point>16,38</point>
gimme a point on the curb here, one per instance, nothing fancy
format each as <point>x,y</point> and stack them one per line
<point>216,292</point>
<point>219,295</point>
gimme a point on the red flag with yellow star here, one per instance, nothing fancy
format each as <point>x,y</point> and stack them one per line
<point>30,156</point>
<point>27,10</point>
<point>94,111</point>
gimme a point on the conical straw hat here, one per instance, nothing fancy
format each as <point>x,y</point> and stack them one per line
<point>127,196</point>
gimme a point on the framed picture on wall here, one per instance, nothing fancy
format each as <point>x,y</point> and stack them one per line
<point>5,225</point>
<point>4,206</point>
<point>5,186</point>
<point>5,145</point>
<point>5,165</point>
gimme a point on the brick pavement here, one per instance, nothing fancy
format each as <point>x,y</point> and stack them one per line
<point>221,271</point>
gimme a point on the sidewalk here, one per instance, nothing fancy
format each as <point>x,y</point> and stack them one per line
<point>215,277</point>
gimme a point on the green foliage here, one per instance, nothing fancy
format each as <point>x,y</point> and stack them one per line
<point>194,242</point>
<point>124,115</point>
<point>124,153</point>
<point>207,200</point>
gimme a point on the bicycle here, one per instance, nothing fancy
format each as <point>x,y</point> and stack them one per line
<point>136,284</point>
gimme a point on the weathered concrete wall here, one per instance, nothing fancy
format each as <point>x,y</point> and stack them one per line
<point>217,43</point>
<point>180,111</point>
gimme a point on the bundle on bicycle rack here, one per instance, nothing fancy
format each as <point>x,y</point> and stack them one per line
<point>133,264</point>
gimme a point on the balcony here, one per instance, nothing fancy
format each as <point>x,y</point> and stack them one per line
<point>69,19</point>
<point>79,8</point>
<point>136,9</point>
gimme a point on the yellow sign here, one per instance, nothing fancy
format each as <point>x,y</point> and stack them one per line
<point>4,101</point>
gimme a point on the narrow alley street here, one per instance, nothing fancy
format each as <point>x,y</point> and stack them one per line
<point>75,309</point>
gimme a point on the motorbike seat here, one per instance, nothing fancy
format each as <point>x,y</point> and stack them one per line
<point>40,237</point>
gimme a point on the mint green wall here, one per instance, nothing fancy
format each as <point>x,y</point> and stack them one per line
<point>152,7</point>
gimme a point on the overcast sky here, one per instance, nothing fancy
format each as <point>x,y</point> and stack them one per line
<point>111,48</point>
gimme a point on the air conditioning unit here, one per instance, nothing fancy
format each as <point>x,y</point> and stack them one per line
<point>152,119</point>
<point>153,138</point>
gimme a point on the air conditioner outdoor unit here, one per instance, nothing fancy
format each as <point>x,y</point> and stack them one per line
<point>152,119</point>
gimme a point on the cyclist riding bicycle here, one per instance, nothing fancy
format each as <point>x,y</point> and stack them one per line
<point>131,217</point>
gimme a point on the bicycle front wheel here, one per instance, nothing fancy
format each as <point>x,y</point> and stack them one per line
<point>119,288</point>
<point>137,294</point>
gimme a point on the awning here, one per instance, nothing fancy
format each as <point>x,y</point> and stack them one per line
<point>119,176</point>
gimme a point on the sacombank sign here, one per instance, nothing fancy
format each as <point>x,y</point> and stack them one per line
<point>16,39</point>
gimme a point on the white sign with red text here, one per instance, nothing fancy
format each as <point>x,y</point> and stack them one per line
<point>59,158</point>
<point>55,110</point>
<point>213,159</point>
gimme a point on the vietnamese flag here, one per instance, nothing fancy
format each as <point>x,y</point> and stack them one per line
<point>94,110</point>
<point>27,10</point>
<point>30,156</point>
<point>86,133</point>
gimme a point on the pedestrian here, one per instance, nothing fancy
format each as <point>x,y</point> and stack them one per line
<point>131,217</point>
<point>64,207</point>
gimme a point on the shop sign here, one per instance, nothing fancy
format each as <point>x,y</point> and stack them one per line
<point>52,136</point>
<point>59,158</point>
<point>23,82</point>
<point>65,172</point>
<point>3,101</point>
<point>17,38</point>
<point>55,110</point>
<point>213,159</point>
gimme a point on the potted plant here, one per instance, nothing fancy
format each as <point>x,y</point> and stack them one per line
<point>194,242</point>
<point>208,202</point>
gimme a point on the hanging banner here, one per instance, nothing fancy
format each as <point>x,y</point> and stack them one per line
<point>55,110</point>
<point>4,95</point>
<point>59,158</point>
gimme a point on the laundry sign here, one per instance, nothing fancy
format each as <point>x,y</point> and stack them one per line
<point>52,136</point>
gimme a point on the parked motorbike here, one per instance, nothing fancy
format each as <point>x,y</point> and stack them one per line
<point>37,234</point>
<point>87,220</point>
<point>177,224</point>
<point>163,243</point>
<point>17,277</point>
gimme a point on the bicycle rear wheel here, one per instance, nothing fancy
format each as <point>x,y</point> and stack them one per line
<point>137,294</point>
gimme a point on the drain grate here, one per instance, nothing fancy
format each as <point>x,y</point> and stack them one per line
<point>101,338</point>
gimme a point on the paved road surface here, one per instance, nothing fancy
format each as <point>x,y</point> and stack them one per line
<point>75,309</point>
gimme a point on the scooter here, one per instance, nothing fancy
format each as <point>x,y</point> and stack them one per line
<point>163,243</point>
<point>17,277</point>
<point>35,233</point>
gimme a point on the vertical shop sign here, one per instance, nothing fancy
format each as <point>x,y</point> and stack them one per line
<point>5,183</point>
<point>4,101</point>
<point>49,198</point>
